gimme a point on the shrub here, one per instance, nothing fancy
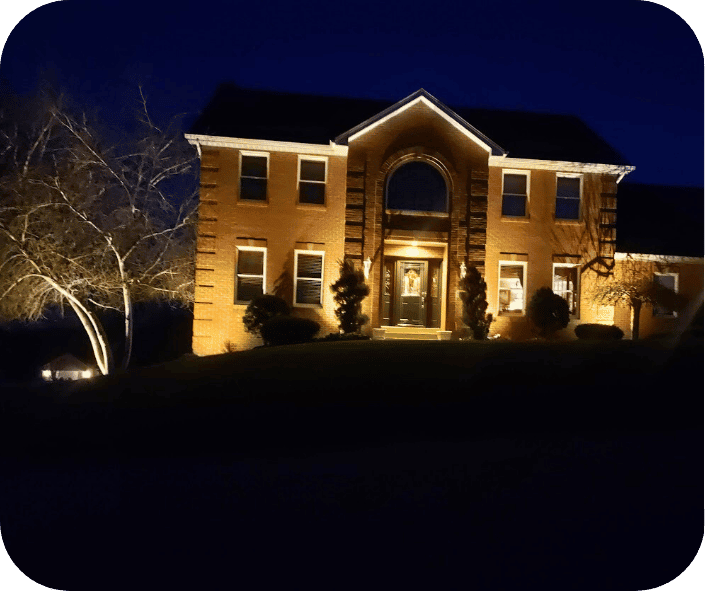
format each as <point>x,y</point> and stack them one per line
<point>474,296</point>
<point>261,309</point>
<point>287,330</point>
<point>336,336</point>
<point>602,332</point>
<point>349,291</point>
<point>548,311</point>
<point>229,347</point>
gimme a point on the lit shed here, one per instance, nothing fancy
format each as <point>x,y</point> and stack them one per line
<point>66,367</point>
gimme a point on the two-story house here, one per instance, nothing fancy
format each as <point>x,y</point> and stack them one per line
<point>413,192</point>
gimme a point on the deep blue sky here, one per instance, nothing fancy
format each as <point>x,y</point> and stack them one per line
<point>632,70</point>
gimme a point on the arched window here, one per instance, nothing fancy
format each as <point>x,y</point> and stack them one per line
<point>417,186</point>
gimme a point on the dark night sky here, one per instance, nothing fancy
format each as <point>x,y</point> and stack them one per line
<point>632,70</point>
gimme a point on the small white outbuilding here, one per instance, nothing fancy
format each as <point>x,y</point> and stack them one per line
<point>66,367</point>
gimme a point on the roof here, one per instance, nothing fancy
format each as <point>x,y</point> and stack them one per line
<point>66,362</point>
<point>287,117</point>
<point>660,219</point>
<point>421,94</point>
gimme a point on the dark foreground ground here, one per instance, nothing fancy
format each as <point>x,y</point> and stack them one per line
<point>366,465</point>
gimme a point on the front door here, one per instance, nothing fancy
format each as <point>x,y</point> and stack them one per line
<point>411,289</point>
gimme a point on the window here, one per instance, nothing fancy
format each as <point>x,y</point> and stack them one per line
<point>565,284</point>
<point>567,198</point>
<point>417,186</point>
<point>308,277</point>
<point>514,192</point>
<point>670,281</point>
<point>253,177</point>
<point>250,276</point>
<point>312,181</point>
<point>512,281</point>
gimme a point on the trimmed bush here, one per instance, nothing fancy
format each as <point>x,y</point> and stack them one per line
<point>287,330</point>
<point>348,292</point>
<point>261,309</point>
<point>548,311</point>
<point>334,336</point>
<point>600,332</point>
<point>473,293</point>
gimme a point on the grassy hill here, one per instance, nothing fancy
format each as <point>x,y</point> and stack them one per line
<point>379,464</point>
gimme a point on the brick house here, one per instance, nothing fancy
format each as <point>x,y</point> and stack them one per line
<point>413,192</point>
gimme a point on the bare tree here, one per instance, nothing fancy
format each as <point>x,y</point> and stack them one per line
<point>633,284</point>
<point>93,226</point>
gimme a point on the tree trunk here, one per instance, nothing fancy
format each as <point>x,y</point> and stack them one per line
<point>98,351</point>
<point>636,315</point>
<point>93,327</point>
<point>129,322</point>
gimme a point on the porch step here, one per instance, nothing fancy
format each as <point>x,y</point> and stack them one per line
<point>410,333</point>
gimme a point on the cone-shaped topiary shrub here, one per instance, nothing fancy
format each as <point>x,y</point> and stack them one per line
<point>349,291</point>
<point>474,296</point>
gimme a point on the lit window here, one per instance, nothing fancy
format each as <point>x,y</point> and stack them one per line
<point>308,273</point>
<point>312,181</point>
<point>567,198</point>
<point>512,280</point>
<point>250,281</point>
<point>669,281</point>
<point>253,177</point>
<point>514,194</point>
<point>565,284</point>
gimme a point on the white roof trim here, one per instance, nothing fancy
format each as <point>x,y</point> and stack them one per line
<point>435,109</point>
<point>265,145</point>
<point>564,166</point>
<point>655,258</point>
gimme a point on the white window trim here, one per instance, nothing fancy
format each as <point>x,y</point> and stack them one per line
<point>673,314</point>
<point>569,175</point>
<point>527,174</point>
<point>577,286</point>
<point>297,279</point>
<point>501,264</point>
<point>324,182</point>
<point>238,275</point>
<point>240,176</point>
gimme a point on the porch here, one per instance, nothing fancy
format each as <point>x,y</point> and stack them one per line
<point>410,333</point>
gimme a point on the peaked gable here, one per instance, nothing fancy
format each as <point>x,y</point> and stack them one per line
<point>423,97</point>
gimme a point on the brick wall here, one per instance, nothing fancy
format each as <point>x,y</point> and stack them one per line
<point>280,225</point>
<point>353,224</point>
<point>538,240</point>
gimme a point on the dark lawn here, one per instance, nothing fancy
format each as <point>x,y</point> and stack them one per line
<point>374,464</point>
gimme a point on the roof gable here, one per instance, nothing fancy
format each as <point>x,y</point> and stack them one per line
<point>241,113</point>
<point>424,97</point>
